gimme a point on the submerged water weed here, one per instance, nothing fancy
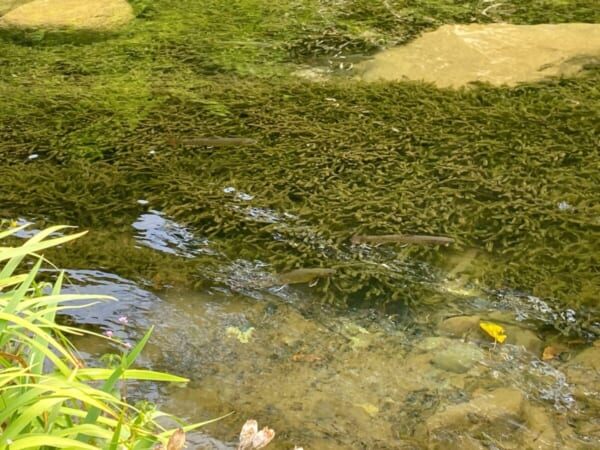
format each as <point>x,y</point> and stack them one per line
<point>351,27</point>
<point>486,167</point>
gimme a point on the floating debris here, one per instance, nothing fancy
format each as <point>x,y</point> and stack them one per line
<point>401,238</point>
<point>306,275</point>
<point>564,206</point>
<point>211,141</point>
<point>242,336</point>
<point>176,441</point>
<point>369,408</point>
<point>251,438</point>
<point>307,357</point>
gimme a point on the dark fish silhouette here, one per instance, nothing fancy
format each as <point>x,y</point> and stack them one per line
<point>211,141</point>
<point>303,275</point>
<point>401,238</point>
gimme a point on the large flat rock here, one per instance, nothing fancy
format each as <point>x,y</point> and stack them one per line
<point>454,55</point>
<point>74,14</point>
<point>7,5</point>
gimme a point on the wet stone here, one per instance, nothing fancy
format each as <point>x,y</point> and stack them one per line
<point>454,55</point>
<point>540,433</point>
<point>458,358</point>
<point>8,5</point>
<point>459,326</point>
<point>525,338</point>
<point>496,413</point>
<point>583,371</point>
<point>75,14</point>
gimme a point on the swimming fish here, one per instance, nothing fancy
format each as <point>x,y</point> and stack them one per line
<point>401,238</point>
<point>211,141</point>
<point>305,275</point>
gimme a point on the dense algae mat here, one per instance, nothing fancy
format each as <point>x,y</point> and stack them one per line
<point>512,172</point>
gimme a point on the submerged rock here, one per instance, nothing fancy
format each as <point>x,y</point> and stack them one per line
<point>7,5</point>
<point>458,358</point>
<point>459,326</point>
<point>525,338</point>
<point>497,413</point>
<point>583,371</point>
<point>454,55</point>
<point>76,14</point>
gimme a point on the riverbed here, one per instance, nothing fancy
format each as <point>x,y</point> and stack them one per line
<point>225,157</point>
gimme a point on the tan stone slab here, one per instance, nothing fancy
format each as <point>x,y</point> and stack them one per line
<point>78,14</point>
<point>454,55</point>
<point>7,5</point>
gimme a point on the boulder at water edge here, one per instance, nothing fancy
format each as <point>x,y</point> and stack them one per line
<point>7,5</point>
<point>454,55</point>
<point>69,14</point>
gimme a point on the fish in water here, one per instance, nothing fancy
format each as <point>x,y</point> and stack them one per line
<point>211,141</point>
<point>401,238</point>
<point>306,275</point>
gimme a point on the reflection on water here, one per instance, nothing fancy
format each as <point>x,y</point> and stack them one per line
<point>165,235</point>
<point>105,314</point>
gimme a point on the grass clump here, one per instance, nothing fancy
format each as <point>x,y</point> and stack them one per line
<point>49,398</point>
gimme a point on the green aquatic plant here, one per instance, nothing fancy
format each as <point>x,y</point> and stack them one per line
<point>48,397</point>
<point>488,167</point>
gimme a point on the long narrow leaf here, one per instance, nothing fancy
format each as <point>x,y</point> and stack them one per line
<point>167,433</point>
<point>130,374</point>
<point>37,441</point>
<point>12,281</point>
<point>116,437</point>
<point>20,293</point>
<point>16,260</point>
<point>87,429</point>
<point>127,360</point>
<point>16,254</point>
<point>12,231</point>
<point>38,331</point>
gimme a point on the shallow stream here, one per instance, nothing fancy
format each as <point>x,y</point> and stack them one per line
<point>232,172</point>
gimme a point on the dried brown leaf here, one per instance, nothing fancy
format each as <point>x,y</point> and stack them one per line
<point>177,440</point>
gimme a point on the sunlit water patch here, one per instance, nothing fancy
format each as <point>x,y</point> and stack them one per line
<point>160,233</point>
<point>254,213</point>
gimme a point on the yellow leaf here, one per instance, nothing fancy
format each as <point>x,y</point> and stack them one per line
<point>369,408</point>
<point>242,336</point>
<point>494,330</point>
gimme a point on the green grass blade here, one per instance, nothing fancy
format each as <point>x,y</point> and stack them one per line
<point>43,348</point>
<point>116,437</point>
<point>37,441</point>
<point>130,374</point>
<point>12,281</point>
<point>12,231</point>
<point>21,292</point>
<point>109,384</point>
<point>16,254</point>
